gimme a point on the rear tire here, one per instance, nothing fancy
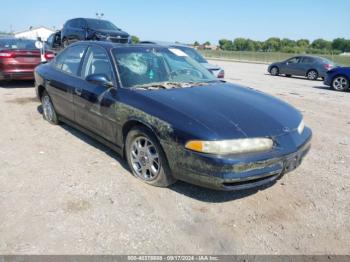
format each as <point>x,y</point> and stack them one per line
<point>275,71</point>
<point>49,112</point>
<point>312,75</point>
<point>146,158</point>
<point>288,75</point>
<point>340,83</point>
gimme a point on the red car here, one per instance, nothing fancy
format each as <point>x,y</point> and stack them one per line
<point>18,58</point>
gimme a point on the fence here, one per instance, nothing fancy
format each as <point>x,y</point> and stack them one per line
<point>266,57</point>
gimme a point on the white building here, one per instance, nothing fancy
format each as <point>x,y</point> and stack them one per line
<point>35,32</point>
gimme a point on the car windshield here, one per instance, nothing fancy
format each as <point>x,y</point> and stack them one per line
<point>193,53</point>
<point>17,44</point>
<point>101,25</point>
<point>154,68</point>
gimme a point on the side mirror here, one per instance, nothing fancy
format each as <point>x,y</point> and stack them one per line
<point>99,79</point>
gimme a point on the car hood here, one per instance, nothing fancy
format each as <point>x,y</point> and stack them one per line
<point>210,66</point>
<point>114,33</point>
<point>229,111</point>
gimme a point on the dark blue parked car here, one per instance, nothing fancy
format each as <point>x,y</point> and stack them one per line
<point>170,117</point>
<point>338,78</point>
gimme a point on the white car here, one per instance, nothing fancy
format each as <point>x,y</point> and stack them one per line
<point>193,53</point>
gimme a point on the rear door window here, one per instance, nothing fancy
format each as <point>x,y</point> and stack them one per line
<point>70,59</point>
<point>308,60</point>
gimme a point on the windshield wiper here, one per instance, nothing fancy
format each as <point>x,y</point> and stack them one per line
<point>170,85</point>
<point>157,85</point>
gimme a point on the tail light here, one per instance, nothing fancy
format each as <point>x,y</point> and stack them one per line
<point>7,54</point>
<point>221,74</point>
<point>328,66</point>
<point>49,55</point>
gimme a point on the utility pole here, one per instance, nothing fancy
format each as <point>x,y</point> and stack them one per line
<point>99,15</point>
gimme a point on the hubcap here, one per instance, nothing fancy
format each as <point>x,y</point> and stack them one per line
<point>274,71</point>
<point>312,75</point>
<point>48,109</point>
<point>144,158</point>
<point>340,83</point>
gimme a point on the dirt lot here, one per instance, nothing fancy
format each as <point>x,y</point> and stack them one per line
<point>63,193</point>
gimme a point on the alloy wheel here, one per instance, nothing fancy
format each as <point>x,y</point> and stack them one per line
<point>312,75</point>
<point>340,83</point>
<point>48,108</point>
<point>145,159</point>
<point>274,71</point>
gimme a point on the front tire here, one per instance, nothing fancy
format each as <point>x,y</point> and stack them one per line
<point>146,158</point>
<point>312,75</point>
<point>340,83</point>
<point>275,71</point>
<point>49,112</point>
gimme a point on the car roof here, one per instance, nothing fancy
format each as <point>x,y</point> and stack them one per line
<point>109,45</point>
<point>164,43</point>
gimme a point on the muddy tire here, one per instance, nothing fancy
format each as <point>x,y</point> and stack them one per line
<point>146,158</point>
<point>49,112</point>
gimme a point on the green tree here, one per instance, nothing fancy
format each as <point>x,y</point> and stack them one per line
<point>5,33</point>
<point>226,45</point>
<point>285,42</point>
<point>321,44</point>
<point>341,44</point>
<point>258,46</point>
<point>303,43</point>
<point>135,39</point>
<point>240,44</point>
<point>195,43</point>
<point>273,44</point>
<point>250,45</point>
<point>206,43</point>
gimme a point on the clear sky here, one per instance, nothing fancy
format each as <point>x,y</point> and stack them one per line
<point>190,20</point>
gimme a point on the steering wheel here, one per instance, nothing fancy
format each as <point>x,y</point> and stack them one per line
<point>188,72</point>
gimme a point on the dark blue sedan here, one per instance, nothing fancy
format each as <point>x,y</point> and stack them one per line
<point>170,118</point>
<point>338,78</point>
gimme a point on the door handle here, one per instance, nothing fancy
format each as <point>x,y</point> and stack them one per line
<point>78,91</point>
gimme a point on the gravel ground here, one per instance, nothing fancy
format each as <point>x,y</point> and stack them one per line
<point>63,193</point>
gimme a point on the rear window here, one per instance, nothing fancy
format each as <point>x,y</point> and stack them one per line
<point>325,61</point>
<point>13,44</point>
<point>193,53</point>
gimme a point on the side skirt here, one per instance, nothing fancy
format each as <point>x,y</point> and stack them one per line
<point>114,147</point>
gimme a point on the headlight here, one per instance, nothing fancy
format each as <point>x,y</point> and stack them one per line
<point>235,146</point>
<point>301,127</point>
<point>101,36</point>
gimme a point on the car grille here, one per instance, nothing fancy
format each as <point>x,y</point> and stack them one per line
<point>118,40</point>
<point>252,181</point>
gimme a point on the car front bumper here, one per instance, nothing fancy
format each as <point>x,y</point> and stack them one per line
<point>328,80</point>
<point>242,172</point>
